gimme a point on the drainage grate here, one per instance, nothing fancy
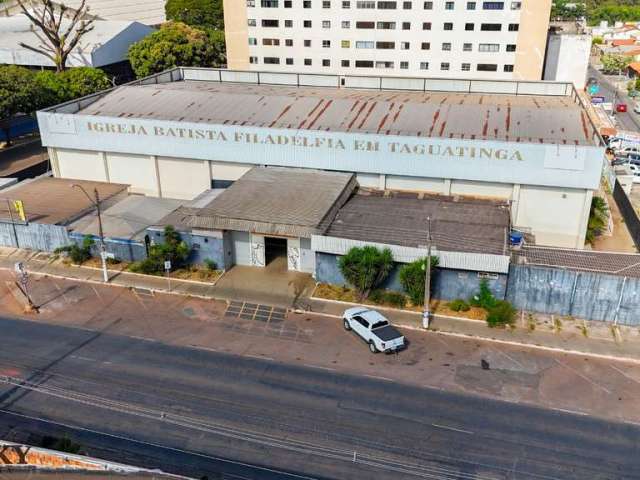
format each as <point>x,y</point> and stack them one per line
<point>253,311</point>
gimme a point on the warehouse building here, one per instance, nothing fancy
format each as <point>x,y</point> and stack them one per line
<point>179,133</point>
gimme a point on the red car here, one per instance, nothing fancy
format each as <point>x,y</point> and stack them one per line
<point>621,107</point>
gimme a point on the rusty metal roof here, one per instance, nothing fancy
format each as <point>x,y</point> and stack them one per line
<point>514,118</point>
<point>398,218</point>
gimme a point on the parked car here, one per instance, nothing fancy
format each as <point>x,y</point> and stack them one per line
<point>636,107</point>
<point>621,107</point>
<point>374,329</point>
<point>628,150</point>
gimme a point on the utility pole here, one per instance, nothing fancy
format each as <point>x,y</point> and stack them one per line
<point>103,247</point>
<point>426,314</point>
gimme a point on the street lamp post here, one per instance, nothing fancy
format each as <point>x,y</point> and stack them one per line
<point>426,314</point>
<point>103,248</point>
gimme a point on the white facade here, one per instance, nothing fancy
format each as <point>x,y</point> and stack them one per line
<point>568,58</point>
<point>447,39</point>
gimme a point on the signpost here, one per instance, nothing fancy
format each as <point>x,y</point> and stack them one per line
<point>167,270</point>
<point>23,284</point>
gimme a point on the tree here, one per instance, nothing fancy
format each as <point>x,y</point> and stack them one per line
<point>176,44</point>
<point>612,63</point>
<point>173,249</point>
<point>413,276</point>
<point>197,13</point>
<point>58,34</point>
<point>365,268</point>
<point>598,219</point>
<point>19,93</point>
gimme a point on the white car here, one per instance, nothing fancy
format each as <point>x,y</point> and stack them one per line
<point>374,329</point>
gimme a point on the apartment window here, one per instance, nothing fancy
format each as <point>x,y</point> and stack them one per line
<point>307,43</point>
<point>307,62</point>
<point>428,6</point>
<point>425,46</point>
<point>253,41</point>
<point>466,67</point>
<point>326,62</point>
<point>345,44</point>
<point>346,24</point>
<point>471,5</point>
<point>346,4</point>
<point>288,23</point>
<point>326,43</point>
<point>289,61</point>
<point>404,65</point>
<point>326,3</point>
<point>326,24</point>
<point>406,6</point>
<point>469,27</point>
<point>449,5</point>
<point>364,63</point>
<point>444,66</point>
<point>511,48</point>
<point>405,45</point>
<point>306,24</point>
<point>406,25</point>
<point>366,4</point>
<point>271,60</point>
<point>508,68</point>
<point>253,60</point>
<point>288,42</point>
<point>426,25</point>
<point>491,27</point>
<point>514,27</point>
<point>384,65</point>
<point>251,22</point>
<point>516,5</point>
<point>386,25</point>
<point>487,67</point>
<point>367,44</point>
<point>385,45</point>
<point>271,42</point>
<point>269,3</point>
<point>251,3</point>
<point>467,47</point>
<point>448,26</point>
<point>288,3</point>
<point>345,63</point>
<point>306,4</point>
<point>270,23</point>
<point>489,47</point>
<point>446,47</point>
<point>493,5</point>
<point>365,25</point>
<point>387,5</point>
<point>424,65</point>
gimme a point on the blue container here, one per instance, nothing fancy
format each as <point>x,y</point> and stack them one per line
<point>515,238</point>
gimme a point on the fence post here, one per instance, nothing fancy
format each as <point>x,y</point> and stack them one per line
<point>573,293</point>
<point>615,315</point>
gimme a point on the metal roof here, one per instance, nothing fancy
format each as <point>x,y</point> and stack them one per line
<point>53,201</point>
<point>474,116</point>
<point>612,263</point>
<point>273,201</point>
<point>395,218</point>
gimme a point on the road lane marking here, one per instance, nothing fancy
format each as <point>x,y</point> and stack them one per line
<point>319,367</point>
<point>453,429</point>
<point>377,377</point>
<point>584,377</point>
<point>260,357</point>
<point>85,359</point>
<point>624,374</point>
<point>574,412</point>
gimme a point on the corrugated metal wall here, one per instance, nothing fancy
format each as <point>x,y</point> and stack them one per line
<point>34,236</point>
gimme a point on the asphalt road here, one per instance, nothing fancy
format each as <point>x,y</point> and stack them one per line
<point>628,120</point>
<point>196,412</point>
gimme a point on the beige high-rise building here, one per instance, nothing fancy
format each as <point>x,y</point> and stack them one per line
<point>449,39</point>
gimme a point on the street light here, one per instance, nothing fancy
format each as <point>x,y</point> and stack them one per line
<point>426,314</point>
<point>103,248</point>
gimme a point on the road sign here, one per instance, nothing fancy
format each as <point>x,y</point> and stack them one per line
<point>597,100</point>
<point>594,88</point>
<point>107,255</point>
<point>167,265</point>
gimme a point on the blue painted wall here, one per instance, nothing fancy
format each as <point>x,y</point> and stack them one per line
<point>202,247</point>
<point>447,284</point>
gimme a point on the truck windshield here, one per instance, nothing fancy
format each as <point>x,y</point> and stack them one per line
<point>381,323</point>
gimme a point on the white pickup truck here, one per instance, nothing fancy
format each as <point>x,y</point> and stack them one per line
<point>374,329</point>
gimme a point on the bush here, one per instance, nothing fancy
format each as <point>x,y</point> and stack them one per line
<point>77,254</point>
<point>413,276</point>
<point>485,298</point>
<point>388,297</point>
<point>210,264</point>
<point>365,268</point>
<point>501,314</point>
<point>172,249</point>
<point>459,305</point>
<point>197,13</point>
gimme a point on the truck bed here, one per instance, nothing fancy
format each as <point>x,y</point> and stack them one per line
<point>387,333</point>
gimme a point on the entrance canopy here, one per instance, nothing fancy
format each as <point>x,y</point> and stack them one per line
<point>279,201</point>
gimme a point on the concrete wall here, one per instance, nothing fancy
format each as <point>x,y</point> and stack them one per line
<point>204,246</point>
<point>568,58</point>
<point>34,236</point>
<point>447,284</point>
<point>578,294</point>
<point>127,251</point>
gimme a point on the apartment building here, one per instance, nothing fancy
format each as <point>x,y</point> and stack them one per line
<point>436,38</point>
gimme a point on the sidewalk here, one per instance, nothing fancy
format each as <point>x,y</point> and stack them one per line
<point>537,331</point>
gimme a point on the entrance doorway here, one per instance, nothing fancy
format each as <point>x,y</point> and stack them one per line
<point>275,251</point>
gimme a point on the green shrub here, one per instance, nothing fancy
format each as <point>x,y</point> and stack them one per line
<point>501,314</point>
<point>172,249</point>
<point>459,305</point>
<point>388,297</point>
<point>210,264</point>
<point>77,254</point>
<point>413,276</point>
<point>485,298</point>
<point>365,268</point>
